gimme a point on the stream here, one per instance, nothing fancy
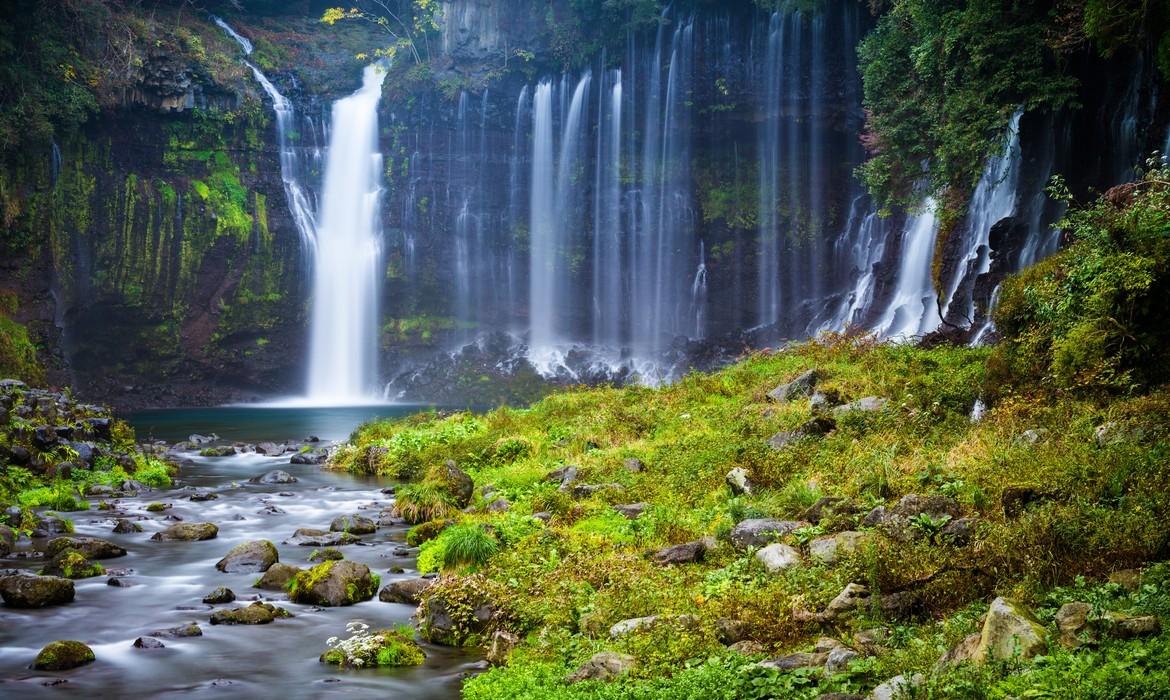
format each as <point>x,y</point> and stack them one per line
<point>169,579</point>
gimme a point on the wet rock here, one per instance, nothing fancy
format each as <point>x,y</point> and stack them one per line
<point>198,439</point>
<point>257,555</point>
<point>125,527</point>
<point>148,643</point>
<point>408,592</point>
<point>157,507</point>
<point>777,557</point>
<point>51,525</point>
<point>501,646</point>
<point>634,465</point>
<point>800,387</point>
<point>219,451</point>
<point>69,563</point>
<point>63,655</point>
<point>24,591</point>
<point>737,480</point>
<point>90,547</point>
<point>310,457</point>
<point>603,666</point>
<point>632,510</point>
<point>277,577</point>
<point>353,524</point>
<point>757,532</point>
<point>270,510</point>
<point>334,583</point>
<point>308,537</point>
<point>276,476</point>
<point>255,614</point>
<point>219,595</point>
<point>272,450</point>
<point>686,553</point>
<point>326,554</point>
<point>182,631</point>
<point>869,404</point>
<point>118,582</point>
<point>187,532</point>
<point>1010,631</point>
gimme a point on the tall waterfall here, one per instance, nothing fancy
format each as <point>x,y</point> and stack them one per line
<point>346,272</point>
<point>914,309</point>
<point>607,215</point>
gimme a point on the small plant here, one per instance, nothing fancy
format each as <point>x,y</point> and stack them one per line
<point>929,526</point>
<point>467,547</point>
<point>365,649</point>
<point>419,503</point>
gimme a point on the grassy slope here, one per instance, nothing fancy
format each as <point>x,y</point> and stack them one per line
<point>564,584</point>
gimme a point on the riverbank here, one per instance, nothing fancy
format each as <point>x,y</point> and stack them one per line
<point>818,520</point>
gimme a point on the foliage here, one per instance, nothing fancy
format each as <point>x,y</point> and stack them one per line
<point>409,23</point>
<point>1094,317</point>
<point>458,548</point>
<point>941,81</point>
<point>18,355</point>
<point>365,649</point>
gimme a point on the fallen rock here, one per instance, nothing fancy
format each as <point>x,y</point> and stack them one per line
<point>187,532</point>
<point>757,532</point>
<point>254,556</point>
<point>90,547</point>
<point>308,537</point>
<point>24,591</point>
<point>63,655</point>
<point>334,583</point>
<point>801,386</point>
<point>408,591</point>
<point>276,476</point>
<point>277,577</point>
<point>602,667</point>
<point>257,613</point>
<point>686,553</point>
<point>219,596</point>
<point>1010,631</point>
<point>353,524</point>
<point>777,557</point>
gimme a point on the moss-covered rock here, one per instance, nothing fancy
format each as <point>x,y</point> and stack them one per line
<point>427,531</point>
<point>309,537</point>
<point>187,532</point>
<point>277,577</point>
<point>90,547</point>
<point>326,554</point>
<point>35,591</point>
<point>381,648</point>
<point>334,583</point>
<point>70,563</point>
<point>353,524</point>
<point>257,555</point>
<point>255,614</point>
<point>63,655</point>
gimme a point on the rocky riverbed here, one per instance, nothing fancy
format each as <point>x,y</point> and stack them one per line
<point>176,608</point>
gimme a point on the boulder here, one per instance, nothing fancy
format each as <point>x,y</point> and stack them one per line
<point>407,591</point>
<point>791,662</point>
<point>455,482</point>
<point>869,404</point>
<point>182,631</point>
<point>271,449</point>
<point>965,651</point>
<point>326,554</point>
<point>634,465</point>
<point>276,476</point>
<point>831,548</point>
<point>757,532</point>
<point>438,620</point>
<point>91,547</point>
<point>897,687</point>
<point>500,647</point>
<point>249,557</point>
<point>602,666</point>
<point>219,596</point>
<point>686,553</point>
<point>334,583</point>
<point>69,563</point>
<point>777,557</point>
<point>308,537</point>
<point>353,524</point>
<point>1125,626</point>
<point>310,457</point>
<point>850,598</point>
<point>257,613</point>
<point>277,577</point>
<point>63,655</point>
<point>737,480</point>
<point>125,527</point>
<point>1010,631</point>
<point>633,511</point>
<point>23,591</point>
<point>800,387</point>
<point>839,658</point>
<point>148,643</point>
<point>187,532</point>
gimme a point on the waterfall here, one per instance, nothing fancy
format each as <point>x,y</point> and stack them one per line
<point>699,296</point>
<point>516,196</point>
<point>247,45</point>
<point>346,273</point>
<point>913,310</point>
<point>994,199</point>
<point>863,244</point>
<point>768,266</point>
<point>607,216</point>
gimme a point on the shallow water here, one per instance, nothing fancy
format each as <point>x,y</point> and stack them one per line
<point>170,579</point>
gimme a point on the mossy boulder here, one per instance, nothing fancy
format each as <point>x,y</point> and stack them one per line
<point>255,614</point>
<point>309,537</point>
<point>277,577</point>
<point>63,655</point>
<point>90,547</point>
<point>220,595</point>
<point>187,532</point>
<point>427,531</point>
<point>326,554</point>
<point>454,481</point>
<point>382,648</point>
<point>70,563</point>
<point>408,591</point>
<point>35,591</point>
<point>353,524</point>
<point>249,557</point>
<point>1010,631</point>
<point>334,583</point>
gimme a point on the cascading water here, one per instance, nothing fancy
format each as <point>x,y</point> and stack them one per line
<point>913,310</point>
<point>699,295</point>
<point>607,215</point>
<point>347,267</point>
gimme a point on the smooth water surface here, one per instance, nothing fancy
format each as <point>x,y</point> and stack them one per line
<point>169,580</point>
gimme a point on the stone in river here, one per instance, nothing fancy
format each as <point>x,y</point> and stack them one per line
<point>276,476</point>
<point>249,557</point>
<point>187,532</point>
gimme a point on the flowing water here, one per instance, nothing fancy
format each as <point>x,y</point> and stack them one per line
<point>169,579</point>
